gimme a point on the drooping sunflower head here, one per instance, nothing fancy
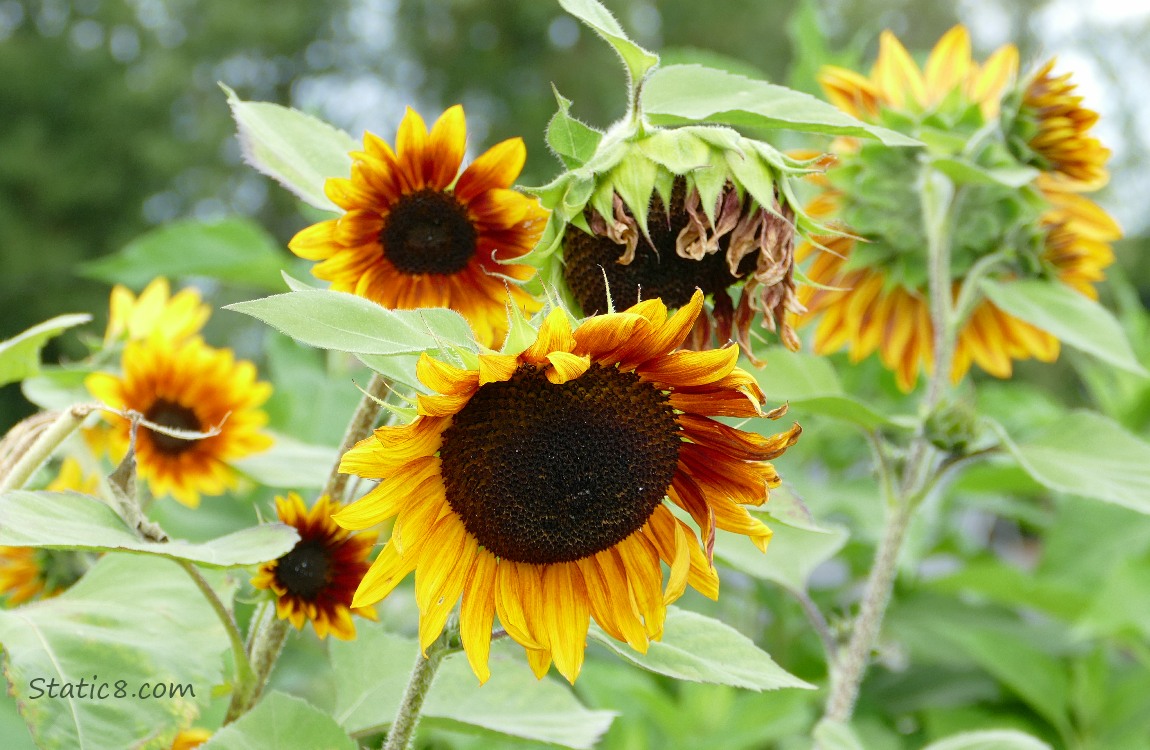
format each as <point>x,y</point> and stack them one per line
<point>316,580</point>
<point>417,233</point>
<point>1052,132</point>
<point>533,484</point>
<point>661,213</point>
<point>191,387</point>
<point>872,296</point>
<point>155,312</point>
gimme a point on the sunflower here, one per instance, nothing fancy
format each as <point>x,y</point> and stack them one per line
<point>1072,159</point>
<point>189,739</point>
<point>28,572</point>
<point>414,235</point>
<point>872,297</point>
<point>533,484</point>
<point>186,386</point>
<point>317,578</point>
<point>155,311</point>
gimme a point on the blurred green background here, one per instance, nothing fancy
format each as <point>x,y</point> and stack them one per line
<point>111,120</point>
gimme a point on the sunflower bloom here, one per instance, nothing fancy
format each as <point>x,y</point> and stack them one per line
<point>189,739</point>
<point>872,297</point>
<point>1073,159</point>
<point>533,485</point>
<point>155,311</point>
<point>316,580</point>
<point>414,235</point>
<point>192,387</point>
<point>22,576</point>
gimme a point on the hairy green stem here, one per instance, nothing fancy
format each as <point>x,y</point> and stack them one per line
<point>267,634</point>
<point>921,467</point>
<point>360,426</point>
<point>402,732</point>
<point>244,672</point>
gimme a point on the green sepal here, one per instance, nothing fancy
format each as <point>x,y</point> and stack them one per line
<point>634,180</point>
<point>571,140</point>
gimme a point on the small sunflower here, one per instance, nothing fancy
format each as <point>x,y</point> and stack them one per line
<point>189,739</point>
<point>29,572</point>
<point>414,235</point>
<point>1072,159</point>
<point>316,580</point>
<point>533,484</point>
<point>186,386</point>
<point>872,296</point>
<point>155,311</point>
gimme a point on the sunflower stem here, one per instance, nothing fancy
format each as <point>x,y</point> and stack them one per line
<point>266,641</point>
<point>402,732</point>
<point>360,426</point>
<point>45,445</point>
<point>244,673</point>
<point>921,468</point>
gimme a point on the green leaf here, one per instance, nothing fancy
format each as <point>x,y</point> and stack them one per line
<point>289,463</point>
<point>993,739</point>
<point>237,250</point>
<point>67,520</point>
<point>687,94</point>
<point>969,173</point>
<point>701,649</point>
<point>1071,317</point>
<point>20,355</point>
<point>809,384</point>
<point>791,557</point>
<point>57,387</point>
<point>346,323</point>
<point>296,150</point>
<point>836,735</point>
<point>371,673</point>
<point>594,15</point>
<point>281,721</point>
<point>1090,455</point>
<point>572,141</point>
<point>131,619</point>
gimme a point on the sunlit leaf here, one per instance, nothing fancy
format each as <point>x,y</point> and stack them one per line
<point>295,149</point>
<point>67,520</point>
<point>346,323</point>
<point>809,384</point>
<point>20,355</point>
<point>993,739</point>
<point>702,649</point>
<point>289,463</point>
<point>791,557</point>
<point>685,94</point>
<point>571,140</point>
<point>1071,317</point>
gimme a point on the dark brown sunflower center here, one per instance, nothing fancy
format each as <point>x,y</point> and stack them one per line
<point>428,232</point>
<point>169,414</point>
<point>306,570</point>
<point>544,473</point>
<point>658,272</point>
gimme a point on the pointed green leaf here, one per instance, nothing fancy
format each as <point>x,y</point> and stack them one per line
<point>1071,317</point>
<point>1088,454</point>
<point>296,150</point>
<point>701,649</point>
<point>237,250</point>
<point>594,15</point>
<point>570,139</point>
<point>992,739</point>
<point>20,355</point>
<point>680,151</point>
<point>281,721</point>
<point>130,619</point>
<point>67,520</point>
<point>634,181</point>
<point>968,173</point>
<point>685,94</point>
<point>755,175</point>
<point>371,673</point>
<point>346,323</point>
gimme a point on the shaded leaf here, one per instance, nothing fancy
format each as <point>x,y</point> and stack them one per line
<point>809,384</point>
<point>281,721</point>
<point>289,463</point>
<point>791,557</point>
